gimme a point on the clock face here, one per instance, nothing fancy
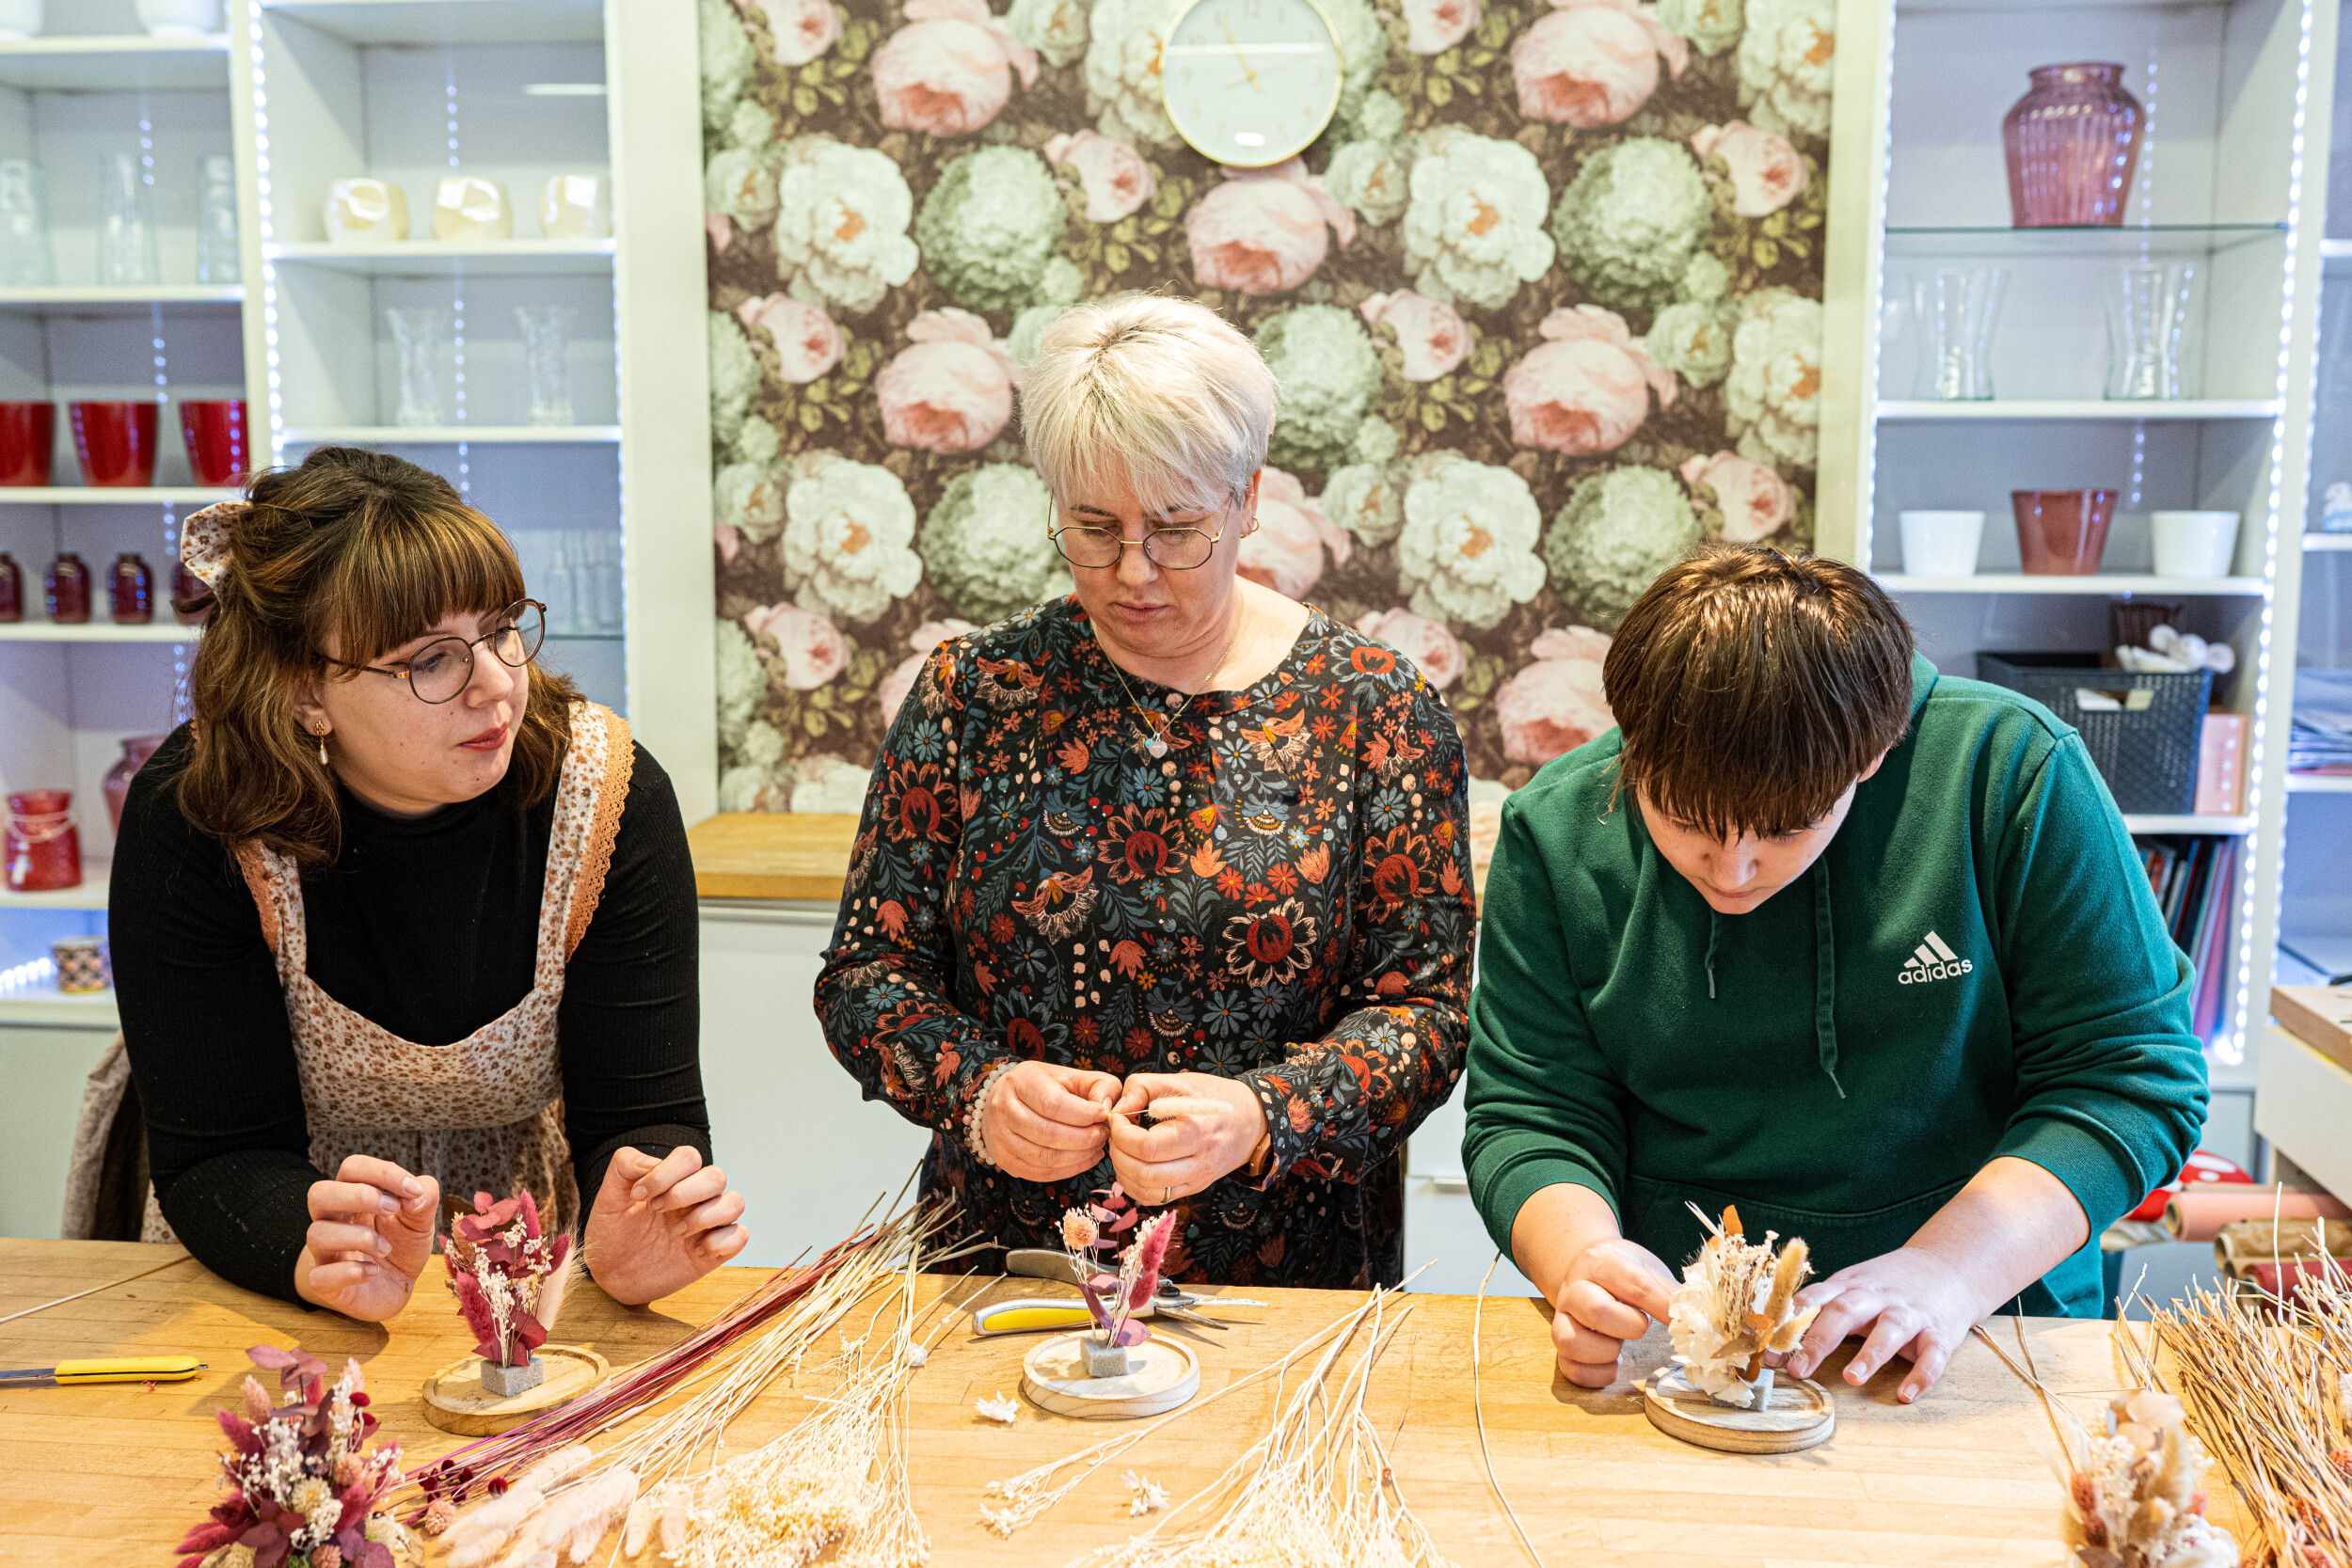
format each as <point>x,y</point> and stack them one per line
<point>1251,82</point>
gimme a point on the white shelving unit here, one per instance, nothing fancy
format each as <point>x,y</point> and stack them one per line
<point>300,92</point>
<point>2234,105</point>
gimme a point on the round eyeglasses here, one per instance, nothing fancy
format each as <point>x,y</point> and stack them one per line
<point>1173,550</point>
<point>438,671</point>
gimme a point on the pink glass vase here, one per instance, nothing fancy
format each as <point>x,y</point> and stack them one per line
<point>135,750</point>
<point>2072,143</point>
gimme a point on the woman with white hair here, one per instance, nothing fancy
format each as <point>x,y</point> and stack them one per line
<point>1167,881</point>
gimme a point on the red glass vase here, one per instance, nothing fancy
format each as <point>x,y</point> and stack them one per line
<point>43,851</point>
<point>29,433</point>
<point>2062,534</point>
<point>135,750</point>
<point>116,442</point>
<point>11,589</point>
<point>2072,142</point>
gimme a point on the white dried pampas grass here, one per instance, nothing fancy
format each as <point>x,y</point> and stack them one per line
<point>1737,1304</point>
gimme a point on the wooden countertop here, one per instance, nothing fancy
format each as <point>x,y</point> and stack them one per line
<point>803,855</point>
<point>117,1472</point>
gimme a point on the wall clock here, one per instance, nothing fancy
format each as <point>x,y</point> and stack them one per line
<point>1251,83</point>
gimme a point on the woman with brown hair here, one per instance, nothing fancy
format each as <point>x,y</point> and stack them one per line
<point>399,914</point>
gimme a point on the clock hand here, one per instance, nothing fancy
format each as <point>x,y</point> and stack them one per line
<point>1250,74</point>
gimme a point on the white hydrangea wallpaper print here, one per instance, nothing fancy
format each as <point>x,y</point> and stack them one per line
<point>1545,302</point>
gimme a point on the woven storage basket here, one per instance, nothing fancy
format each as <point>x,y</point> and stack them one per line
<point>2146,749</point>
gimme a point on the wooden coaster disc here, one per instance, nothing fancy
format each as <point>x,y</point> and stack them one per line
<point>1800,1415</point>
<point>454,1400</point>
<point>1162,1375</point>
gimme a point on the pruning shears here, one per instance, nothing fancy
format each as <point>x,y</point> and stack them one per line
<point>1034,1314</point>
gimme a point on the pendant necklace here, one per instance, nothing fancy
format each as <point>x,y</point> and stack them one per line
<point>1156,725</point>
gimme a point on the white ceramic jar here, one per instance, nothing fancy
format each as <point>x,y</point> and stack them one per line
<point>1941,544</point>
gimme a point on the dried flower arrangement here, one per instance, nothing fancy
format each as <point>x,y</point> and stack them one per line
<point>1737,1304</point>
<point>304,1490</point>
<point>2267,1384</point>
<point>1090,1234</point>
<point>839,1480</point>
<point>2136,1489</point>
<point>509,1279</point>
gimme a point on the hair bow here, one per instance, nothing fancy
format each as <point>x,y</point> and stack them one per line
<point>204,540</point>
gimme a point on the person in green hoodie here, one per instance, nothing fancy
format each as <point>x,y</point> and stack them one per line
<point>1861,948</point>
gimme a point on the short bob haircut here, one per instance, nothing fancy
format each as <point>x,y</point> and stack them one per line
<point>352,552</point>
<point>1144,390</point>
<point>1752,687</point>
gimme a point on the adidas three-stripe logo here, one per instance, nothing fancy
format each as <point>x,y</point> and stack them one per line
<point>1932,960</point>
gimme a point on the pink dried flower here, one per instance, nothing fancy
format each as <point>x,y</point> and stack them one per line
<point>256,1400</point>
<point>438,1515</point>
<point>1078,1233</point>
<point>1151,1253</point>
<point>346,1470</point>
<point>328,1556</point>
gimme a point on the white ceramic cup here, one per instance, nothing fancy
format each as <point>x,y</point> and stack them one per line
<point>1941,544</point>
<point>366,211</point>
<point>2195,544</point>
<point>577,207</point>
<point>468,207</point>
<point>20,20</point>
<point>179,19</point>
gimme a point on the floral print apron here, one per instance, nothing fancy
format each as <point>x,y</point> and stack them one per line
<point>487,1113</point>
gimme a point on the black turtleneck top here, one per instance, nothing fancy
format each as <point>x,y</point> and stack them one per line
<point>427,927</point>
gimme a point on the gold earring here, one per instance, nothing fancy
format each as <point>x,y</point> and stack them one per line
<point>322,735</point>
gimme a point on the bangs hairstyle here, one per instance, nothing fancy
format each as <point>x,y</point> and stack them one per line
<point>1752,687</point>
<point>1144,392</point>
<point>356,553</point>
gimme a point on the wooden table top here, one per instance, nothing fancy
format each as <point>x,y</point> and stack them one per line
<point>117,1472</point>
<point>803,855</point>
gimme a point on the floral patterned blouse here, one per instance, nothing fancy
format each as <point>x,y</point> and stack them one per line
<point>1284,899</point>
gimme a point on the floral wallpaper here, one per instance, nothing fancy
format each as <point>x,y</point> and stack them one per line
<point>1544,300</point>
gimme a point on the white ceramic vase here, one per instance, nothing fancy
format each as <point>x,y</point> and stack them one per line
<point>20,20</point>
<point>179,19</point>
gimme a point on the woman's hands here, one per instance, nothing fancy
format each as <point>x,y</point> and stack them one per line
<point>371,1231</point>
<point>659,1225</point>
<point>1207,1125</point>
<point>1047,1123</point>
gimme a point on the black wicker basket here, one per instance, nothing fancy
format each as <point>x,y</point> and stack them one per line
<point>2146,749</point>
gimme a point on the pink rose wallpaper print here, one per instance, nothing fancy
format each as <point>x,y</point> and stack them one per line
<point>1544,299</point>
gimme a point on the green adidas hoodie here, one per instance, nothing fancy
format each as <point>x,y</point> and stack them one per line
<point>1976,966</point>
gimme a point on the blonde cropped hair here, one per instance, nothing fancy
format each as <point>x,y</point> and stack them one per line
<point>1158,393</point>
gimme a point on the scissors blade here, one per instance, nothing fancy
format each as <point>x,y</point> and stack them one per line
<point>1035,1263</point>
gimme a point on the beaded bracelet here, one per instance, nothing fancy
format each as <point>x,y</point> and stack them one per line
<point>973,1137</point>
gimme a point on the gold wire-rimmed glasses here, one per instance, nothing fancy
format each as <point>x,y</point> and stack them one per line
<point>1171,549</point>
<point>438,671</point>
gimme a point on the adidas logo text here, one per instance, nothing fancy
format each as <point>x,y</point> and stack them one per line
<point>1932,960</point>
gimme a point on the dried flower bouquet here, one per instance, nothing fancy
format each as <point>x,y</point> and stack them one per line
<point>1090,1234</point>
<point>508,1278</point>
<point>1738,1303</point>
<point>303,1490</point>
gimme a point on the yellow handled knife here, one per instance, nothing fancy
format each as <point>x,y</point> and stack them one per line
<point>138,1368</point>
<point>1029,1316</point>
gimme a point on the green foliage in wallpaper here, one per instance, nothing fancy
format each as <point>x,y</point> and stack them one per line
<point>1545,300</point>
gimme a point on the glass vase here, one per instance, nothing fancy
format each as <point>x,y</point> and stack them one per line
<point>2147,319</point>
<point>131,591</point>
<point>216,256</point>
<point>1956,309</point>
<point>28,259</point>
<point>547,336</point>
<point>126,225</point>
<point>2072,143</point>
<point>42,850</point>
<point>12,590</point>
<point>135,750</point>
<point>417,331</point>
<point>68,590</point>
